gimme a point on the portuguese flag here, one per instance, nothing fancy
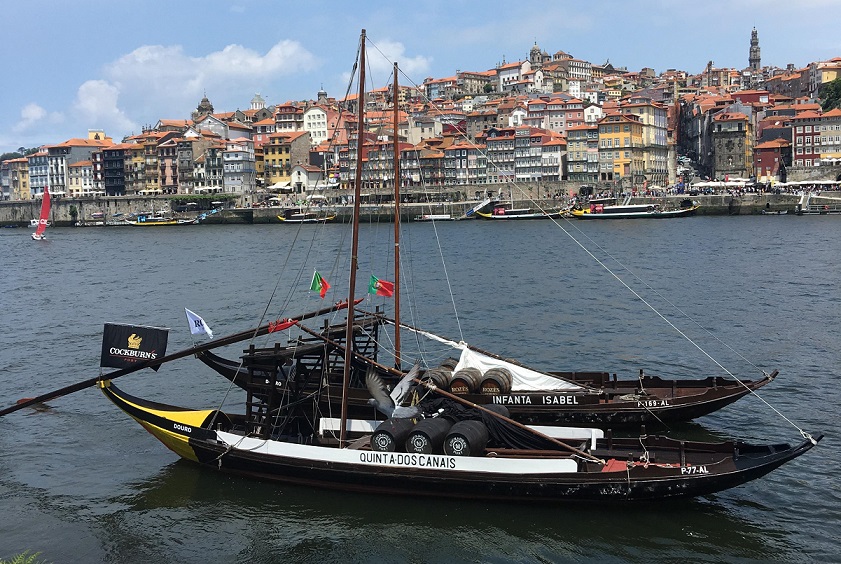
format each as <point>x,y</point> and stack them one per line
<point>380,287</point>
<point>319,284</point>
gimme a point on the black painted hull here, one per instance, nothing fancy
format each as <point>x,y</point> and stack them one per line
<point>642,485</point>
<point>663,468</point>
<point>668,401</point>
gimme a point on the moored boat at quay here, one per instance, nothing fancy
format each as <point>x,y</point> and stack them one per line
<point>507,212</point>
<point>157,220</point>
<point>606,208</point>
<point>306,215</point>
<point>434,217</point>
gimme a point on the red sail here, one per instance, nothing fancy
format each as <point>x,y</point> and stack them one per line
<point>45,213</point>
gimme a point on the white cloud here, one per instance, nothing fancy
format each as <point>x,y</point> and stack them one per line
<point>156,81</point>
<point>161,81</point>
<point>96,105</point>
<point>381,58</point>
<point>32,116</point>
<point>394,51</point>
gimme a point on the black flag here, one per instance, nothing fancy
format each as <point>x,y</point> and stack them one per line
<point>124,346</point>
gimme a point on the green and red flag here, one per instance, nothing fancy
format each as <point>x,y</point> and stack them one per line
<point>380,287</point>
<point>319,284</point>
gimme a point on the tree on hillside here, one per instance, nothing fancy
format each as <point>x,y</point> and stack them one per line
<point>830,94</point>
<point>21,152</point>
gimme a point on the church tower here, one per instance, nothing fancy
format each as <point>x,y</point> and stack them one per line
<point>205,108</point>
<point>753,56</point>
<point>535,57</point>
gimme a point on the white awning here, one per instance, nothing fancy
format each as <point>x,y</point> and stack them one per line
<point>280,187</point>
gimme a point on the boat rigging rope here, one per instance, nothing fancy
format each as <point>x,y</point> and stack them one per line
<point>673,326</point>
<point>635,293</point>
<point>665,299</point>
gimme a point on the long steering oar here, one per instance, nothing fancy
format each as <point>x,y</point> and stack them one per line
<point>222,341</point>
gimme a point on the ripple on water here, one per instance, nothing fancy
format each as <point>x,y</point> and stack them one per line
<point>106,491</point>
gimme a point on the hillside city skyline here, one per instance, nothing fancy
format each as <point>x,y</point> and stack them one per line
<point>547,117</point>
<point>100,65</point>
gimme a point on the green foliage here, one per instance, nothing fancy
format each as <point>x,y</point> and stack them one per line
<point>21,152</point>
<point>830,95</point>
<point>25,558</point>
<point>73,212</point>
<point>488,87</point>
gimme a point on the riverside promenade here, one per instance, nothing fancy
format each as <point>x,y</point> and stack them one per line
<point>70,211</point>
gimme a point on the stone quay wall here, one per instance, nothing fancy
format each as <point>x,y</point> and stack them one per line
<point>19,213</point>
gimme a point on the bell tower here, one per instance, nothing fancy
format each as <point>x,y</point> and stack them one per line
<point>753,55</point>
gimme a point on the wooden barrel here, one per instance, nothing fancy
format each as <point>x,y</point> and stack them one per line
<point>466,438</point>
<point>439,376</point>
<point>466,381</point>
<point>427,437</point>
<point>496,381</point>
<point>449,363</point>
<point>391,434</point>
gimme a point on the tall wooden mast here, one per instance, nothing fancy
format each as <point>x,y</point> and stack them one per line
<point>354,251</point>
<point>397,359</point>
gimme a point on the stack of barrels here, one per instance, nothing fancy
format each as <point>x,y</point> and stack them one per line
<point>437,435</point>
<point>469,380</point>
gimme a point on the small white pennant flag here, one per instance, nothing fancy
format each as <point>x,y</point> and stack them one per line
<point>197,324</point>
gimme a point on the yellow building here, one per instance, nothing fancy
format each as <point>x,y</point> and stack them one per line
<point>283,151</point>
<point>621,156</point>
<point>136,169</point>
<point>19,179</point>
<point>654,119</point>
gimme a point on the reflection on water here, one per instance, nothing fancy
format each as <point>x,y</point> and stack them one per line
<point>235,518</point>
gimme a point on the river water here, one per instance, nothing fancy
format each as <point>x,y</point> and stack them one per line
<point>81,482</point>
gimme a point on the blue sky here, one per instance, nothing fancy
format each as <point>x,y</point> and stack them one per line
<point>94,64</point>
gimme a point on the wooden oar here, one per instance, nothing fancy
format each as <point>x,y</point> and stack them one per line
<point>461,400</point>
<point>222,341</point>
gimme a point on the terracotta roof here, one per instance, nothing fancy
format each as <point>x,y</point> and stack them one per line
<point>806,115</point>
<point>774,144</point>
<point>582,127</point>
<point>175,122</point>
<point>730,116</point>
<point>77,142</point>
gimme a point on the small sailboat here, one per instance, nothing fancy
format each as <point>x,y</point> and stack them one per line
<point>43,220</point>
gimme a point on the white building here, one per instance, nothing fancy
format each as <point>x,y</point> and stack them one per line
<point>239,170</point>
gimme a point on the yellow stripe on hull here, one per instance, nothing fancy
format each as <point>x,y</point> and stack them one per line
<point>179,444</point>
<point>173,427</point>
